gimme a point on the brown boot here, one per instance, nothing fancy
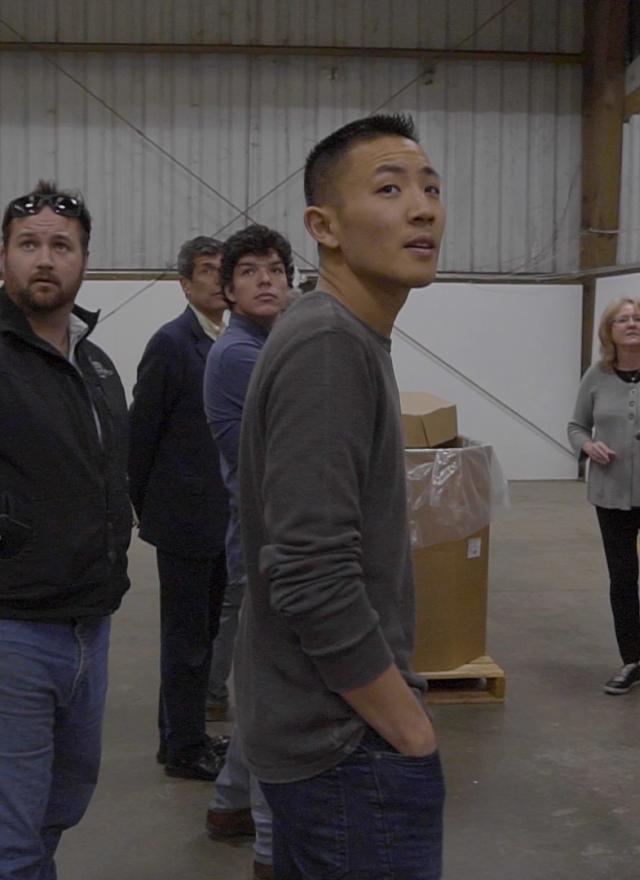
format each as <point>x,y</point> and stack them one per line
<point>222,824</point>
<point>262,871</point>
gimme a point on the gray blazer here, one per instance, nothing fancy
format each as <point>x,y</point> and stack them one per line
<point>608,409</point>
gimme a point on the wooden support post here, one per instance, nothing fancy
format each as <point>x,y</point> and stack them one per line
<point>588,316</point>
<point>603,107</point>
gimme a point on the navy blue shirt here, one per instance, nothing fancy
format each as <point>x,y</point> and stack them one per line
<point>226,379</point>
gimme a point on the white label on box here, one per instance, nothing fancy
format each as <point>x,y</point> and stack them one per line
<point>474,548</point>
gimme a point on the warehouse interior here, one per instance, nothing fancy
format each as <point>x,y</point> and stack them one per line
<point>542,785</point>
<point>178,119</point>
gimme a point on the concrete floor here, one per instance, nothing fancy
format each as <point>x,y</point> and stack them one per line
<point>544,787</point>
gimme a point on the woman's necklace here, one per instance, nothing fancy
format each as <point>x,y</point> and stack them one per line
<point>629,375</point>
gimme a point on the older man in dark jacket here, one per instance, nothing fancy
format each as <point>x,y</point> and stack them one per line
<point>179,496</point>
<point>65,525</point>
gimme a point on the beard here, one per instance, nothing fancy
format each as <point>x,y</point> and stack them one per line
<point>35,299</point>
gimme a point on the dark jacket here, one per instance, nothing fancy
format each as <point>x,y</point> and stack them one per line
<point>174,468</point>
<point>65,517</point>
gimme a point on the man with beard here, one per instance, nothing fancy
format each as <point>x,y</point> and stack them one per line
<point>65,526</point>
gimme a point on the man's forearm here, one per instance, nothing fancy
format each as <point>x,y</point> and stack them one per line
<point>389,706</point>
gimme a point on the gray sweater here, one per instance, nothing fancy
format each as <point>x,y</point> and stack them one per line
<point>330,600</point>
<point>607,409</point>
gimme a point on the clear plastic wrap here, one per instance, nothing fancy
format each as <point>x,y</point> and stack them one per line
<point>453,491</point>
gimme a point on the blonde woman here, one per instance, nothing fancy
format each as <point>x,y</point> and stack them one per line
<point>606,428</point>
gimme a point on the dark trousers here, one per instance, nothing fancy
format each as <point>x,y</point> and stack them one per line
<point>377,814</point>
<point>191,593</point>
<point>619,530</point>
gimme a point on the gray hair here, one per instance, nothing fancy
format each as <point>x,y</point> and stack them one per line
<point>201,246</point>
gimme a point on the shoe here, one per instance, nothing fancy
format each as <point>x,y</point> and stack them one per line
<point>218,745</point>
<point>222,824</point>
<point>205,765</point>
<point>624,680</point>
<point>217,711</point>
<point>262,871</point>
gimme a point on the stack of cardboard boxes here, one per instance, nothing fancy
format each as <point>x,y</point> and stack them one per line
<point>449,485</point>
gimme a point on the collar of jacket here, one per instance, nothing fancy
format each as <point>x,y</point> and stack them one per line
<point>202,342</point>
<point>13,320</point>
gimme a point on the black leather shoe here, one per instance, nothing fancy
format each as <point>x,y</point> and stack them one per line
<point>206,765</point>
<point>218,745</point>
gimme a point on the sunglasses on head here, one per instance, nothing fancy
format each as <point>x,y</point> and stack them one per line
<point>66,206</point>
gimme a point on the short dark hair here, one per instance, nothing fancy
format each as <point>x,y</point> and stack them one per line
<point>321,161</point>
<point>200,246</point>
<point>51,188</point>
<point>254,239</point>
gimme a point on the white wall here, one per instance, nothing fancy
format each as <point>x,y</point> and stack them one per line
<point>520,344</point>
<point>125,334</point>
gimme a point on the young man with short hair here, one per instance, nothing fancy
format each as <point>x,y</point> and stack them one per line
<point>257,271</point>
<point>65,525</point>
<point>331,714</point>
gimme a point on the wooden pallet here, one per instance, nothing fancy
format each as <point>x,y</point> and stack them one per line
<point>480,681</point>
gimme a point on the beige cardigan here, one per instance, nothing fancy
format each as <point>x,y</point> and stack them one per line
<point>608,409</point>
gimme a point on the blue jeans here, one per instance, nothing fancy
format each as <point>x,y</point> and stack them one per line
<point>53,680</point>
<point>238,789</point>
<point>222,657</point>
<point>376,815</point>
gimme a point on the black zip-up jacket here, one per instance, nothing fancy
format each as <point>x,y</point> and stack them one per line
<point>65,517</point>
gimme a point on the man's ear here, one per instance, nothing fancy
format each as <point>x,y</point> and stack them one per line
<point>1,261</point>
<point>321,224</point>
<point>184,284</point>
<point>228,292</point>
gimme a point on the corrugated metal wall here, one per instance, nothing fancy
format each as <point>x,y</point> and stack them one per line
<point>629,238</point>
<point>535,25</point>
<point>506,136</point>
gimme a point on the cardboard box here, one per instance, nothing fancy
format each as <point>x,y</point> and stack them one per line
<point>451,602</point>
<point>451,575</point>
<point>427,420</point>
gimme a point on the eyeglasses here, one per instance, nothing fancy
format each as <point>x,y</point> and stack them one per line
<point>66,206</point>
<point>626,319</point>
